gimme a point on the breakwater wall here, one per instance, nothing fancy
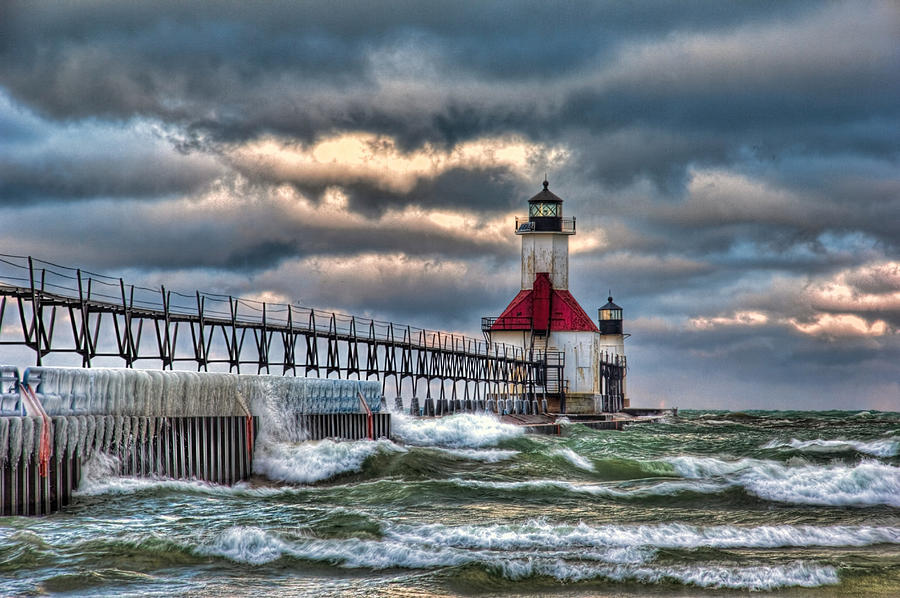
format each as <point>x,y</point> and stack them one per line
<point>180,425</point>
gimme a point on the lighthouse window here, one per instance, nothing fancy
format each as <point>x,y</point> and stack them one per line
<point>544,209</point>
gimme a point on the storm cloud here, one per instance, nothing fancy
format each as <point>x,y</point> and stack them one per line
<point>733,168</point>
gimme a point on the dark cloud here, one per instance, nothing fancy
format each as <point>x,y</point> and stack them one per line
<point>725,158</point>
<point>248,234</point>
<point>478,191</point>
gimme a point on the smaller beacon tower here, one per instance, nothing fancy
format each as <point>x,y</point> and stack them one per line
<point>585,360</point>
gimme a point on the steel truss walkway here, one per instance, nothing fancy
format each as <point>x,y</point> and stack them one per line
<point>66,310</point>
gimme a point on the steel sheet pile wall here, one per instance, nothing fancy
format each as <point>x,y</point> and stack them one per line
<point>214,449</point>
<point>343,426</point>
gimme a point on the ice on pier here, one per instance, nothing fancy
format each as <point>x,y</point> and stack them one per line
<point>113,410</point>
<point>147,393</point>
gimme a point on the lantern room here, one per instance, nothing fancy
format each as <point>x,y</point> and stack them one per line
<point>545,215</point>
<point>610,318</point>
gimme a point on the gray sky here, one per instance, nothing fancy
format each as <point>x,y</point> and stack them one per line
<point>733,168</point>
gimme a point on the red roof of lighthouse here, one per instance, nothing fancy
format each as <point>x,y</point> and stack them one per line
<point>534,309</point>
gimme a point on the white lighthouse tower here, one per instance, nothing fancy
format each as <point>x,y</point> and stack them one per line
<point>545,318</point>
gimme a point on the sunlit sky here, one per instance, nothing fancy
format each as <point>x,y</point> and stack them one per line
<point>734,169</point>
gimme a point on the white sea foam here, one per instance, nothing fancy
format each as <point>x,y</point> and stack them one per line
<point>667,488</point>
<point>129,485</point>
<point>257,547</point>
<point>484,455</point>
<point>574,458</point>
<point>247,545</point>
<point>708,576</point>
<point>888,447</point>
<point>464,430</point>
<point>537,535</point>
<point>862,484</point>
<point>308,462</point>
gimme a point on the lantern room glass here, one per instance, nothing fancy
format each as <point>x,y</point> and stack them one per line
<point>610,314</point>
<point>540,209</point>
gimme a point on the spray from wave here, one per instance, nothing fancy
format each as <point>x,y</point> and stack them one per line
<point>465,430</point>
<point>309,462</point>
<point>575,459</point>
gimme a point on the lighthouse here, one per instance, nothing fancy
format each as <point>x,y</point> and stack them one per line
<point>586,360</point>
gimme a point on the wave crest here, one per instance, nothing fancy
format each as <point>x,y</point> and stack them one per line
<point>888,447</point>
<point>864,484</point>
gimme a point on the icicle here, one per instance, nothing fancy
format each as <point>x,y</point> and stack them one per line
<point>117,432</point>
<point>99,432</point>
<point>4,440</point>
<point>81,392</point>
<point>208,388</point>
<point>96,390</point>
<point>28,443</point>
<point>89,436</point>
<point>57,387</point>
<point>50,397</point>
<point>193,393</point>
<point>72,436</point>
<point>128,436</point>
<point>167,385</point>
<point>179,399</point>
<point>153,402</point>
<point>136,386</point>
<point>109,425</point>
<point>15,440</point>
<point>61,425</point>
<point>175,394</point>
<point>141,430</point>
<point>107,403</point>
<point>82,434</point>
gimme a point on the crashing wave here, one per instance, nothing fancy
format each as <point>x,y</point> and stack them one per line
<point>309,462</point>
<point>454,431</point>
